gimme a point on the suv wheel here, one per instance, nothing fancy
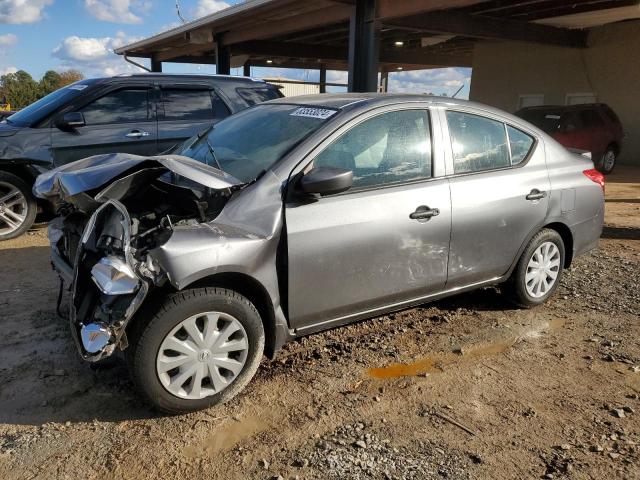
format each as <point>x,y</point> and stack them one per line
<point>539,269</point>
<point>18,208</point>
<point>608,161</point>
<point>200,349</point>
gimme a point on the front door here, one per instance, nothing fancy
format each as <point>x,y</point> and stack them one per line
<point>121,121</point>
<point>499,195</point>
<point>367,248</point>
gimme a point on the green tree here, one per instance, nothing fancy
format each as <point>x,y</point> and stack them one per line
<point>50,82</point>
<point>20,89</point>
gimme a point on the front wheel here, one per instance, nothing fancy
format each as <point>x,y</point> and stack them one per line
<point>200,349</point>
<point>539,269</point>
<point>18,208</point>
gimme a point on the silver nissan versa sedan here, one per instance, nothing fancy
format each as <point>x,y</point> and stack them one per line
<point>303,214</point>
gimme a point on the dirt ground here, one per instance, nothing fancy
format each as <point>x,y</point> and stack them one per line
<point>474,387</point>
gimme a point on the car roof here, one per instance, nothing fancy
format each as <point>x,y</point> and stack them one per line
<point>186,76</point>
<point>366,101</point>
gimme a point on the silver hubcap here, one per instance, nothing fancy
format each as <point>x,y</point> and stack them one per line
<point>609,160</point>
<point>542,270</point>
<point>202,355</point>
<point>13,208</point>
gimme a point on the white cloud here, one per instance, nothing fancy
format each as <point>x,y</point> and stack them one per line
<point>4,71</point>
<point>8,40</point>
<point>94,55</point>
<point>117,11</point>
<point>437,81</point>
<point>207,7</point>
<point>22,11</point>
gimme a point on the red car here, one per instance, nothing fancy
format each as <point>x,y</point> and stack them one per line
<point>593,127</point>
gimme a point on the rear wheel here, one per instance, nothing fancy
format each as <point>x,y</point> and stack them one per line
<point>18,208</point>
<point>539,269</point>
<point>608,161</point>
<point>200,349</point>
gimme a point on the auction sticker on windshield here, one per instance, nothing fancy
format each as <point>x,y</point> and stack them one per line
<point>321,113</point>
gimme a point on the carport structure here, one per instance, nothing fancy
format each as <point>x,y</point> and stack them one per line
<point>370,38</point>
<point>361,36</point>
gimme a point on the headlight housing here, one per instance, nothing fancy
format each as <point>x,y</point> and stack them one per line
<point>114,276</point>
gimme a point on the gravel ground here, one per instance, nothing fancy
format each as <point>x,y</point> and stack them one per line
<point>468,387</point>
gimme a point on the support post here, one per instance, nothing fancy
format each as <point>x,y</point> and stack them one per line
<point>384,81</point>
<point>364,42</point>
<point>223,57</point>
<point>246,69</point>
<point>156,66</point>
<point>323,78</point>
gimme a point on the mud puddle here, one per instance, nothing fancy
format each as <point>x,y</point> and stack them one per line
<point>466,354</point>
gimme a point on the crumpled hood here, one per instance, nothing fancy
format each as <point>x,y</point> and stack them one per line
<point>7,130</point>
<point>92,173</point>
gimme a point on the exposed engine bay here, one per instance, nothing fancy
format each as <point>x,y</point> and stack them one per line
<point>113,210</point>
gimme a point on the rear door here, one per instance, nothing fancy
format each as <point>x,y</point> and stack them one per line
<point>499,194</point>
<point>119,119</point>
<point>362,250</point>
<point>185,110</point>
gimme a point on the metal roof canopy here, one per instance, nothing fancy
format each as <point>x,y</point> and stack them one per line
<point>363,36</point>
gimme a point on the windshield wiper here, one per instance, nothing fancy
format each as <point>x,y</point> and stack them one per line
<point>213,154</point>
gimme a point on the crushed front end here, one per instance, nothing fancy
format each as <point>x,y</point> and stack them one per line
<point>103,236</point>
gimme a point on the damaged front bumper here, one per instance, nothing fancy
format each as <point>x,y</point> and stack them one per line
<point>108,284</point>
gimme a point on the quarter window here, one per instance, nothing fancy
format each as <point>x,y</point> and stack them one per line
<point>122,106</point>
<point>191,104</point>
<point>389,148</point>
<point>478,143</point>
<point>520,144</point>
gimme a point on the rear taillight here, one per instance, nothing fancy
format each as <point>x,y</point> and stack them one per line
<point>595,176</point>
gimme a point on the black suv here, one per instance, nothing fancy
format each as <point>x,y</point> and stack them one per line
<point>144,114</point>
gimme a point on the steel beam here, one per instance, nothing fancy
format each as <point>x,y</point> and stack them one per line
<point>156,65</point>
<point>364,40</point>
<point>223,56</point>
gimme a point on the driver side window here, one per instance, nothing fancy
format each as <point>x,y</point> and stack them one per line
<point>389,148</point>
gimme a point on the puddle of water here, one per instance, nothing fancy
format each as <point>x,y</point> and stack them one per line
<point>470,354</point>
<point>226,437</point>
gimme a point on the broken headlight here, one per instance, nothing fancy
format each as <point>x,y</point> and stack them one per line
<point>114,276</point>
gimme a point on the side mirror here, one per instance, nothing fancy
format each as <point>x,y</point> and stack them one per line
<point>326,180</point>
<point>70,121</point>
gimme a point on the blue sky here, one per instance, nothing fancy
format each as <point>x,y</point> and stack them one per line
<point>38,35</point>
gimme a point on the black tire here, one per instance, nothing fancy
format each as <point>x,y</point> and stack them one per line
<point>518,290</point>
<point>32,206</point>
<point>606,166</point>
<point>148,333</point>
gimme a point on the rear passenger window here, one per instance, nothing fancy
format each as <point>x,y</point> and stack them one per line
<point>121,106</point>
<point>390,148</point>
<point>191,104</point>
<point>520,144</point>
<point>253,96</point>
<point>478,143</point>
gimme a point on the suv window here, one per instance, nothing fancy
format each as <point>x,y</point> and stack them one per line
<point>520,144</point>
<point>591,119</point>
<point>192,104</point>
<point>254,96</point>
<point>478,143</point>
<point>610,114</point>
<point>122,106</point>
<point>389,148</point>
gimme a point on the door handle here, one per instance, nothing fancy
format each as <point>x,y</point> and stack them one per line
<point>424,213</point>
<point>536,194</point>
<point>137,134</point>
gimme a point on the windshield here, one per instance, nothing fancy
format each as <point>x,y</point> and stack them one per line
<point>250,142</point>
<point>35,112</point>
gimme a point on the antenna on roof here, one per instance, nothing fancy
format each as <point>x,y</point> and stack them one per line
<point>178,12</point>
